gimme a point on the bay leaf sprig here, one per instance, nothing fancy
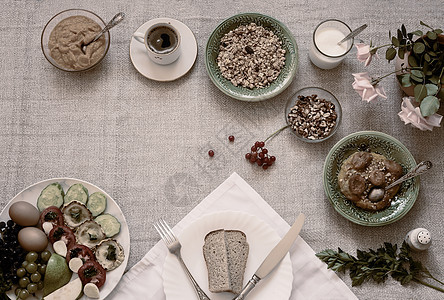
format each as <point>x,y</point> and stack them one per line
<point>378,265</point>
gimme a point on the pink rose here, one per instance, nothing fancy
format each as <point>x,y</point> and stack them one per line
<point>368,90</point>
<point>364,54</point>
<point>411,114</point>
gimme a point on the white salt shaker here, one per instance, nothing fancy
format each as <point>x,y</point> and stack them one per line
<point>419,239</point>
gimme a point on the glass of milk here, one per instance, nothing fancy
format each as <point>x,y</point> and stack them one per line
<point>325,52</point>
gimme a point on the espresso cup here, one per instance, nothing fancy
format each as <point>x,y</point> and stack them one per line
<point>162,41</point>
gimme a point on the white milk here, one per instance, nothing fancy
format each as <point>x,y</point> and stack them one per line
<point>326,40</point>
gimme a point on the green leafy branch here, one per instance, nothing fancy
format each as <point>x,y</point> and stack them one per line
<point>379,264</point>
<point>425,70</point>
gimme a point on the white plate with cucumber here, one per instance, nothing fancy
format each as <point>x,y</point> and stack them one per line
<point>100,208</point>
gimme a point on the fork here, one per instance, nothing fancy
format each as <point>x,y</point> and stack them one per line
<point>174,246</point>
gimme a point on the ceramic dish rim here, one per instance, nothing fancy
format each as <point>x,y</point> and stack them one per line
<point>326,184</point>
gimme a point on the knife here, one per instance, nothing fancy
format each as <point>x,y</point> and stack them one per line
<point>274,257</point>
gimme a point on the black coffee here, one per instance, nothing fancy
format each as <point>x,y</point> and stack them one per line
<point>162,40</point>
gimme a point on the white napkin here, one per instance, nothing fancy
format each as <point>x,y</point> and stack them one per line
<point>312,279</point>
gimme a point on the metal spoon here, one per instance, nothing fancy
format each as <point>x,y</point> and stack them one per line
<point>114,21</point>
<point>377,194</point>
<point>353,33</point>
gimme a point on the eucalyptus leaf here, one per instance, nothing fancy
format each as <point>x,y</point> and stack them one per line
<point>429,105</point>
<point>427,57</point>
<point>412,61</point>
<point>417,73</point>
<point>432,35</point>
<point>416,79</point>
<point>418,33</point>
<point>404,79</point>
<point>420,92</point>
<point>390,54</point>
<point>438,31</point>
<point>401,53</point>
<point>434,80</point>
<point>418,47</point>
<point>431,89</point>
<point>395,42</point>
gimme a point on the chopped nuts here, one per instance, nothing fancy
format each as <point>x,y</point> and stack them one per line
<point>251,56</point>
<point>312,118</point>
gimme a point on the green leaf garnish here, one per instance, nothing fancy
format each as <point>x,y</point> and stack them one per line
<point>379,265</point>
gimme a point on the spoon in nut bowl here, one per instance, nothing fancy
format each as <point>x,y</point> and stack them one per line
<point>377,193</point>
<point>114,21</point>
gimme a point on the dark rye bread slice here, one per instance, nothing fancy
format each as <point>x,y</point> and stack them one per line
<point>225,253</point>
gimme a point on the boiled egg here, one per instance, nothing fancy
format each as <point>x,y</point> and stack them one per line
<point>24,213</point>
<point>32,239</point>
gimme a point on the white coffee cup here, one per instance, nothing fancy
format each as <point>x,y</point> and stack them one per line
<point>162,41</point>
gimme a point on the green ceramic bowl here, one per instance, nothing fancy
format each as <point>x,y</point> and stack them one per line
<point>257,94</point>
<point>389,147</point>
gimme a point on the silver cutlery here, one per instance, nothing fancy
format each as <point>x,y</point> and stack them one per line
<point>274,257</point>
<point>114,21</point>
<point>353,33</point>
<point>377,194</point>
<point>174,246</point>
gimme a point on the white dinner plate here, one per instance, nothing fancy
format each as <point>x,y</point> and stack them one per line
<point>31,193</point>
<point>173,71</point>
<point>261,239</point>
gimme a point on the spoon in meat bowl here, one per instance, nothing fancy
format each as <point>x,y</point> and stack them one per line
<point>114,21</point>
<point>377,193</point>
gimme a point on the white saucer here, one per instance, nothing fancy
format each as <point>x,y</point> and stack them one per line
<point>173,71</point>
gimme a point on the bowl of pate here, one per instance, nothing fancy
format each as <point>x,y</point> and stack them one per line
<point>67,32</point>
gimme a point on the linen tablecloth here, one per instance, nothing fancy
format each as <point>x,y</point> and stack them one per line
<point>146,143</point>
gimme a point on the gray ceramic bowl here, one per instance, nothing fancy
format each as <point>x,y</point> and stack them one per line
<point>63,15</point>
<point>256,94</point>
<point>389,147</point>
<point>322,94</point>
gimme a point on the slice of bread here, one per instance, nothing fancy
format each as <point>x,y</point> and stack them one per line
<point>226,253</point>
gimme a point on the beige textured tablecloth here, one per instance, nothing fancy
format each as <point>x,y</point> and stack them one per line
<point>146,142</point>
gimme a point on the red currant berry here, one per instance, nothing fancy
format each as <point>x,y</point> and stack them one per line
<point>248,155</point>
<point>261,144</point>
<point>231,138</point>
<point>259,162</point>
<point>273,158</point>
<point>265,150</point>
<point>211,153</point>
<point>261,155</point>
<point>257,144</point>
<point>253,149</point>
<point>265,167</point>
<point>253,159</point>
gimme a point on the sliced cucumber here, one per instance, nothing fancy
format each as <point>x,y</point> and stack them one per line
<point>109,223</point>
<point>76,192</point>
<point>51,195</point>
<point>96,203</point>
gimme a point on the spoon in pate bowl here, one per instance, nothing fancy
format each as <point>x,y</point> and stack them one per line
<point>114,21</point>
<point>377,193</point>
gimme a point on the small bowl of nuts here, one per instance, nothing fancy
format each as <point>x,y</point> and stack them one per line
<point>313,114</point>
<point>251,57</point>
